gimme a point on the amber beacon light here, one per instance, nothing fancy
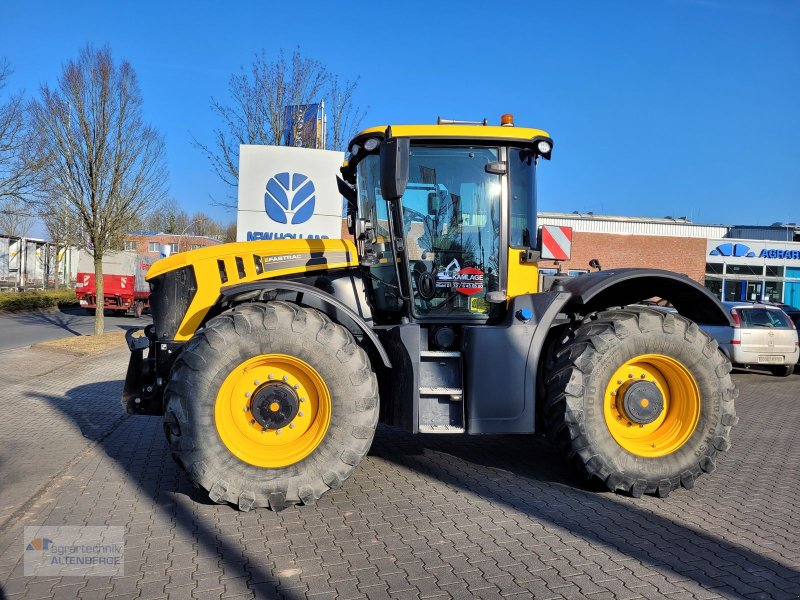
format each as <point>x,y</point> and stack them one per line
<point>507,120</point>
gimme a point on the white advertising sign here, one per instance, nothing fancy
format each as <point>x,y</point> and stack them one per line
<point>752,251</point>
<point>287,192</point>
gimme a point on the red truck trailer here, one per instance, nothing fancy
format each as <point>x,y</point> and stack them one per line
<point>125,288</point>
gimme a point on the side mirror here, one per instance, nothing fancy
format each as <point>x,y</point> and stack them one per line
<point>394,167</point>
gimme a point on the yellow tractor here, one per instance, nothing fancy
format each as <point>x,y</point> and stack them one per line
<point>272,362</point>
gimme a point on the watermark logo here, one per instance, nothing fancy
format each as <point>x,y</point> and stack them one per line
<point>290,198</point>
<point>738,250</point>
<point>38,544</point>
<point>72,550</point>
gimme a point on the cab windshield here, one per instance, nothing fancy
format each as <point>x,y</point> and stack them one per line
<point>451,222</point>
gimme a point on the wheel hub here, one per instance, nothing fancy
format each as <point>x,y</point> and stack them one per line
<point>275,405</point>
<point>642,402</point>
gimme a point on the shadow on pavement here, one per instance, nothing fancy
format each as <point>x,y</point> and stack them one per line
<point>527,475</point>
<point>521,473</point>
<point>147,465</point>
<point>61,319</point>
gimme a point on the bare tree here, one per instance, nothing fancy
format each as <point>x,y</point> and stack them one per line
<point>17,164</point>
<point>230,232</point>
<point>16,219</point>
<point>63,226</point>
<point>99,155</point>
<point>264,101</point>
<point>345,116</point>
<point>167,217</point>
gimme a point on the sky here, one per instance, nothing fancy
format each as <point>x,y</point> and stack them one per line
<point>657,108</point>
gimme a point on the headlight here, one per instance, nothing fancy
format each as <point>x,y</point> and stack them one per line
<point>544,147</point>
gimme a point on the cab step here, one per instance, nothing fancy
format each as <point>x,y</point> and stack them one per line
<point>440,429</point>
<point>441,392</point>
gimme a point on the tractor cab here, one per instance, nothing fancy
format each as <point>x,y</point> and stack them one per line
<point>442,215</point>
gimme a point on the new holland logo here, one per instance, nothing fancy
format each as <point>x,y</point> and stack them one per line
<point>290,198</point>
<point>732,250</point>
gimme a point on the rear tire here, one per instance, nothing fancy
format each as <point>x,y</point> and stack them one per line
<point>589,390</point>
<point>290,337</point>
<point>782,370</point>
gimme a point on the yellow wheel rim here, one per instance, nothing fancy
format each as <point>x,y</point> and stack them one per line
<point>642,426</point>
<point>247,394</point>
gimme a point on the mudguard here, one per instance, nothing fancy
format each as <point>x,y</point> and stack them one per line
<point>304,292</point>
<point>620,287</point>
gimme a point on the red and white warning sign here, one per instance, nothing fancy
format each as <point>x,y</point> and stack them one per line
<point>556,242</point>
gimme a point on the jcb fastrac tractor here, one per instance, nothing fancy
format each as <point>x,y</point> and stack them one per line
<point>272,362</point>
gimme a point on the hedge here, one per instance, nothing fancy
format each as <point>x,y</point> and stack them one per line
<point>19,301</point>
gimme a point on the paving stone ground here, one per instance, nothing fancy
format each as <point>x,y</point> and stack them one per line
<point>423,517</point>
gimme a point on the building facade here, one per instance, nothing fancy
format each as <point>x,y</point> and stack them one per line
<point>753,270</point>
<point>733,262</point>
<point>149,243</point>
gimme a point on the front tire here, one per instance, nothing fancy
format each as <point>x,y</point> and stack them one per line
<point>270,405</point>
<point>641,400</point>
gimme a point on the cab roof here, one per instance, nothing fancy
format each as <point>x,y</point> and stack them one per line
<point>473,132</point>
<point>488,134</point>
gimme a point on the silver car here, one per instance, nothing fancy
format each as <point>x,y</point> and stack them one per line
<point>762,336</point>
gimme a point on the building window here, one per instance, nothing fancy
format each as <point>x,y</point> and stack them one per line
<point>173,247</point>
<point>548,271</point>
<point>195,246</point>
<point>774,271</point>
<point>714,268</point>
<point>734,290</point>
<point>576,272</point>
<point>152,247</point>
<point>129,245</point>
<point>744,269</point>
<point>714,286</point>
<point>773,291</point>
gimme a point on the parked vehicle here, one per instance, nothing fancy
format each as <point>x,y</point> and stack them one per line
<point>792,311</point>
<point>762,335</point>
<point>125,288</point>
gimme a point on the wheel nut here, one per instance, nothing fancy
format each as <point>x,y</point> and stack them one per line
<point>247,394</point>
<point>300,414</point>
<point>252,421</point>
<point>291,425</point>
<point>642,375</point>
<point>264,430</point>
<point>270,376</point>
<point>302,398</point>
<point>619,381</point>
<point>614,393</point>
<point>257,382</point>
<point>629,424</point>
<point>285,378</point>
<point>297,386</point>
<point>630,375</point>
<point>277,432</point>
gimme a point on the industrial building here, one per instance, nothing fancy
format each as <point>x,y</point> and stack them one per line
<point>734,262</point>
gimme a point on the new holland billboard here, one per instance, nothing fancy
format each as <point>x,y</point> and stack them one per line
<point>288,192</point>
